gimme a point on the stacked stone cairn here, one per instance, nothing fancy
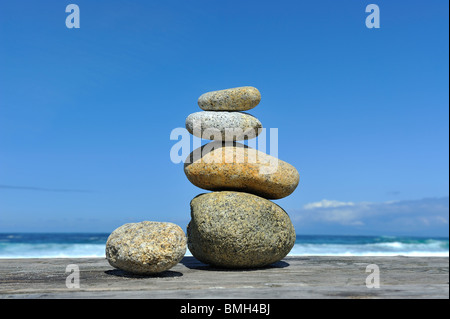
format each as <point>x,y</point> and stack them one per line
<point>236,225</point>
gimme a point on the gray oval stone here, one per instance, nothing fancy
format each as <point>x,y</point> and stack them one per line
<point>235,99</point>
<point>146,247</point>
<point>238,230</point>
<point>223,126</point>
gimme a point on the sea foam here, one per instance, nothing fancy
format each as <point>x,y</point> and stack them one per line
<point>93,245</point>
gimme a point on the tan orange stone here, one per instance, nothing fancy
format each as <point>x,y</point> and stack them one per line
<point>233,166</point>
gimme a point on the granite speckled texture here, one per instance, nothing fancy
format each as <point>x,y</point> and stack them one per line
<point>235,99</point>
<point>219,166</point>
<point>238,230</point>
<point>146,247</point>
<point>223,126</point>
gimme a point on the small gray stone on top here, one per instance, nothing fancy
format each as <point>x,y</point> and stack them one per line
<point>236,99</point>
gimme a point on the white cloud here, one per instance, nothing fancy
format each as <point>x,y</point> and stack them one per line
<point>442,219</point>
<point>413,216</point>
<point>325,203</point>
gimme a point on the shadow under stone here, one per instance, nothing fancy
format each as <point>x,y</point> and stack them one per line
<point>126,274</point>
<point>192,263</point>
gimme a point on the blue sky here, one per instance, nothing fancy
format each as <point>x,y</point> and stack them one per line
<point>86,114</point>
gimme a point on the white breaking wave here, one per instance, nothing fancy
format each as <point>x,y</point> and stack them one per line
<point>82,250</point>
<point>377,249</point>
<point>21,250</point>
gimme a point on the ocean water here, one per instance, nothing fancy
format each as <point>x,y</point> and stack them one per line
<point>370,246</point>
<point>68,245</point>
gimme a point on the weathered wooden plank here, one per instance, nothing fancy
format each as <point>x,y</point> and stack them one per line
<point>294,277</point>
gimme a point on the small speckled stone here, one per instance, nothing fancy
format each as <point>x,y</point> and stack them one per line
<point>238,230</point>
<point>236,99</point>
<point>146,247</point>
<point>219,166</point>
<point>223,126</point>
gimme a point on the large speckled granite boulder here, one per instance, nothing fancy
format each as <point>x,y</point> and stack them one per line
<point>221,166</point>
<point>223,126</point>
<point>146,247</point>
<point>236,99</point>
<point>238,230</point>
